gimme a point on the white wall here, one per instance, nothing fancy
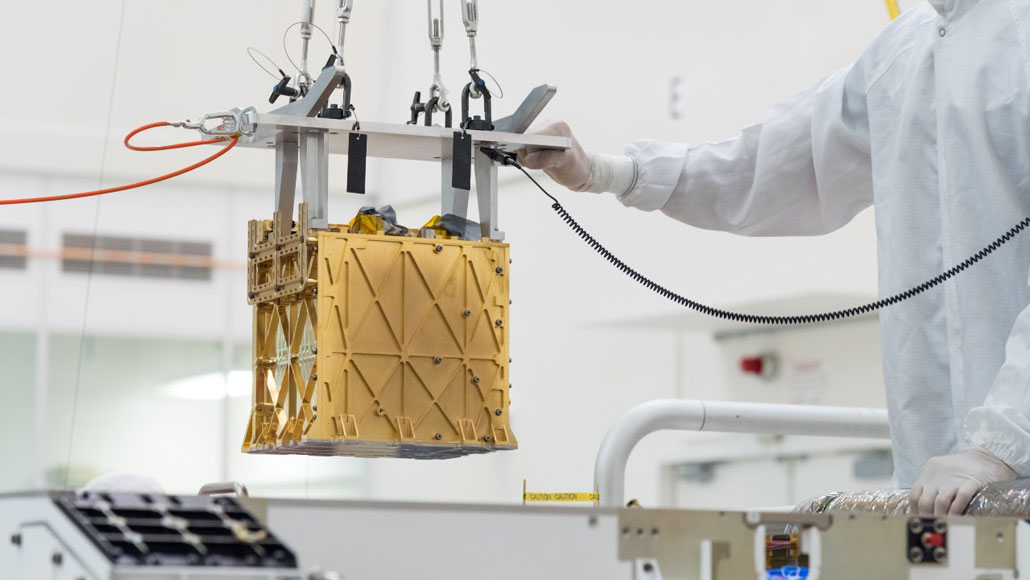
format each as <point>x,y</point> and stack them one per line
<point>573,374</point>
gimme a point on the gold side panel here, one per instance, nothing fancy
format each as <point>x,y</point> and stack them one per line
<point>394,346</point>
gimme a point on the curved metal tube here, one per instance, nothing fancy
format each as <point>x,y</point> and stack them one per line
<point>723,417</point>
<point>234,488</point>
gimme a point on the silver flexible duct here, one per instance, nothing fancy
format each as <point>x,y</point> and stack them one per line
<point>1008,499</point>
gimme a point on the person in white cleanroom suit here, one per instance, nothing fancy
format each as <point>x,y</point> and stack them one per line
<point>932,125</point>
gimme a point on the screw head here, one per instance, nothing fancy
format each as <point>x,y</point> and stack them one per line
<point>438,249</point>
<point>499,270</point>
<point>314,377</point>
<point>467,313</point>
<point>438,436</point>
<point>939,554</point>
<point>57,558</point>
<point>498,323</point>
<point>498,412</point>
<point>487,438</point>
<point>437,360</point>
<point>915,554</point>
<point>475,380</point>
<point>380,411</point>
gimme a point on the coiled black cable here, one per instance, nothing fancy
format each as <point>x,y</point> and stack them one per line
<point>657,288</point>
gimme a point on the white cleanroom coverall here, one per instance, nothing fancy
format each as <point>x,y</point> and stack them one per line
<point>932,124</point>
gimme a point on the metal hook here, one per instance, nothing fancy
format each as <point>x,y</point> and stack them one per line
<point>233,122</point>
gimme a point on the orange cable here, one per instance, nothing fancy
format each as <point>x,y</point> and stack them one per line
<point>232,143</point>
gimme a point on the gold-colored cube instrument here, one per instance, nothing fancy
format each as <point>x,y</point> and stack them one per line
<point>376,345</point>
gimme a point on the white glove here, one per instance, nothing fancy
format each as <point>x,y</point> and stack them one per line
<point>948,483</point>
<point>574,168</point>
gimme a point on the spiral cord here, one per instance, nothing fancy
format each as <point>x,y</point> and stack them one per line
<point>760,319</point>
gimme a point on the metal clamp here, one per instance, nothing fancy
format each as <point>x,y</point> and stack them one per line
<point>232,122</point>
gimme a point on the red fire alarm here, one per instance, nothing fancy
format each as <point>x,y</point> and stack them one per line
<point>762,365</point>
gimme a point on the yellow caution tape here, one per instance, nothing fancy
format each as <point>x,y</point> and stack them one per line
<point>568,496</point>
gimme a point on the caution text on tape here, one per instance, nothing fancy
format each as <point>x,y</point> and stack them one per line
<point>567,496</point>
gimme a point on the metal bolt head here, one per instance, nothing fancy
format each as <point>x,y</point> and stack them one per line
<point>437,360</point>
<point>438,436</point>
<point>438,249</point>
<point>380,411</point>
<point>314,377</point>
<point>487,438</point>
<point>467,313</point>
<point>499,270</point>
<point>939,554</point>
<point>475,380</point>
<point>915,525</point>
<point>915,554</point>
<point>498,412</point>
<point>57,558</point>
<point>498,323</point>
<point>940,525</point>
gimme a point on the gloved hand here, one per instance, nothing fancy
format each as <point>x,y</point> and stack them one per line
<point>572,168</point>
<point>947,483</point>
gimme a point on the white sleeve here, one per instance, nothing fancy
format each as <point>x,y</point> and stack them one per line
<point>1000,425</point>
<point>805,170</point>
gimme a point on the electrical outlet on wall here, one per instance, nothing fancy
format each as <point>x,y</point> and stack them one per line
<point>677,98</point>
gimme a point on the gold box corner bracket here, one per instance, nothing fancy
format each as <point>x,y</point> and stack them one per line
<point>374,345</point>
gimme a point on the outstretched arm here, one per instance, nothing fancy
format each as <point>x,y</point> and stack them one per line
<point>804,170</point>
